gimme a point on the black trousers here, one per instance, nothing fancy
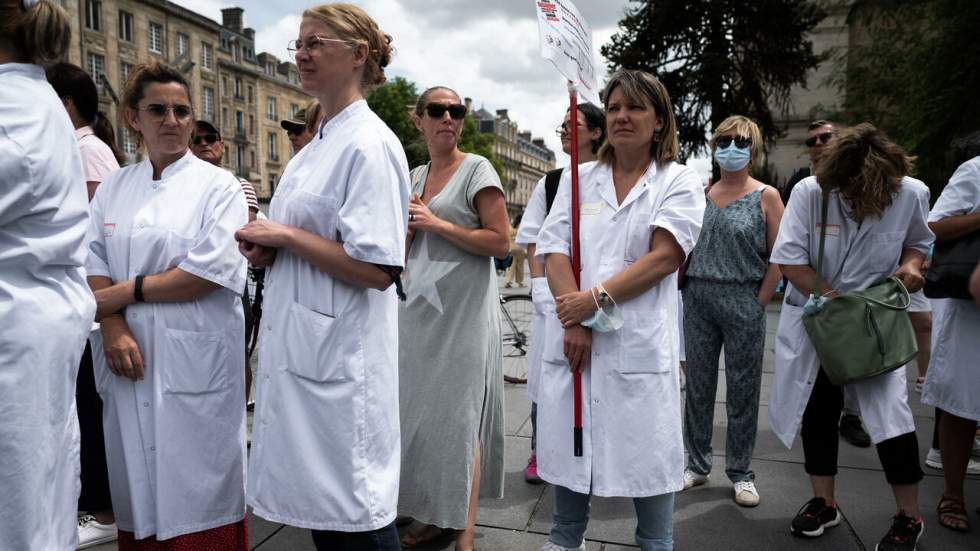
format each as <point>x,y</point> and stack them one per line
<point>899,456</point>
<point>95,475</point>
<point>382,539</point>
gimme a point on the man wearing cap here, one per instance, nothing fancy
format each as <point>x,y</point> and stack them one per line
<point>206,145</point>
<point>297,130</point>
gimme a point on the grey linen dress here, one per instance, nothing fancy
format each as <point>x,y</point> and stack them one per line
<point>450,362</point>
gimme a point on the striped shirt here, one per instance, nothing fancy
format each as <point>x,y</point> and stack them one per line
<point>250,197</point>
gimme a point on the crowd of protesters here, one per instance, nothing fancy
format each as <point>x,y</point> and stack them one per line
<point>379,389</point>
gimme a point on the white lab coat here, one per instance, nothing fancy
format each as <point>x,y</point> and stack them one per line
<point>856,256</point>
<point>953,380</point>
<point>544,304</point>
<point>325,441</point>
<point>175,441</point>
<point>46,309</point>
<point>631,408</point>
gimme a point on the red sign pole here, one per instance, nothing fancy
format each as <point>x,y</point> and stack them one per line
<point>576,257</point>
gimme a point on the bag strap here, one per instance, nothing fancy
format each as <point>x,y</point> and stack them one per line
<point>817,290</point>
<point>551,180</point>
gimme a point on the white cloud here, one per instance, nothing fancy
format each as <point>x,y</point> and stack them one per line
<point>484,50</point>
<point>208,8</point>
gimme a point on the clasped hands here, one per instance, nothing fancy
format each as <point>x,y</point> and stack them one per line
<point>572,309</point>
<point>259,240</point>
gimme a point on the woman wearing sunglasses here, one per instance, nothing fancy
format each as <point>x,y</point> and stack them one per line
<point>450,360</point>
<point>168,278</point>
<point>729,283</point>
<point>325,443</point>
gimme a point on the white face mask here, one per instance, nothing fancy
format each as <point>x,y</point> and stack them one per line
<point>604,322</point>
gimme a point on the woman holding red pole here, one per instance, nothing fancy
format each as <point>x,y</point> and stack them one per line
<point>639,216</point>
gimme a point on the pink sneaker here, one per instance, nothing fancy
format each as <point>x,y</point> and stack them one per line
<point>531,471</point>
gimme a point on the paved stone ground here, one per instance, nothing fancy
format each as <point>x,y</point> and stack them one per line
<point>705,518</point>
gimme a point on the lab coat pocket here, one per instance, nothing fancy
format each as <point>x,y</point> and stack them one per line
<point>196,361</point>
<point>645,345</point>
<point>314,213</point>
<point>319,347</point>
<point>553,351</point>
<point>886,251</point>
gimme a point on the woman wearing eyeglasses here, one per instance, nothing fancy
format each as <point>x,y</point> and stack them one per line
<point>325,442</point>
<point>167,278</point>
<point>729,283</point>
<point>450,359</point>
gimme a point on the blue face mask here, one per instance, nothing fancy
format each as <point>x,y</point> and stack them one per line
<point>604,322</point>
<point>732,158</point>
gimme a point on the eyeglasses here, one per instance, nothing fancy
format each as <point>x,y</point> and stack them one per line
<point>209,138</point>
<point>741,142</point>
<point>563,128</point>
<point>313,44</point>
<point>157,112</point>
<point>823,138</point>
<point>436,110</point>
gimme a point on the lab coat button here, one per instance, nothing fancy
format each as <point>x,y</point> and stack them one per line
<point>153,448</point>
<point>146,404</point>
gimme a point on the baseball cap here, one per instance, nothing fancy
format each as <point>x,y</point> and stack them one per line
<point>206,126</point>
<point>296,123</point>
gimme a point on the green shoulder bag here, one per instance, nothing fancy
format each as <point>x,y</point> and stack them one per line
<point>861,334</point>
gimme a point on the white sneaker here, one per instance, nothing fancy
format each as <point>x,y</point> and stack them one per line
<point>745,493</point>
<point>92,532</point>
<point>935,460</point>
<point>692,479</point>
<point>555,547</point>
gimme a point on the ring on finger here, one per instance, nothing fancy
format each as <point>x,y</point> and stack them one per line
<point>411,217</point>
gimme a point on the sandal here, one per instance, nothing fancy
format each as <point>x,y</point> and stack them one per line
<point>952,514</point>
<point>424,534</point>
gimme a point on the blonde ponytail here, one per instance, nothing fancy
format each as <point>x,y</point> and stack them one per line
<point>38,33</point>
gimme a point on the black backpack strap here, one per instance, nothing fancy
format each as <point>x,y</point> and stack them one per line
<point>551,180</point>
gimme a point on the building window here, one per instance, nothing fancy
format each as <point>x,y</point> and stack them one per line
<point>240,160</point>
<point>127,142</point>
<point>251,124</point>
<point>224,87</point>
<point>207,55</point>
<point>125,26</point>
<point>238,89</point>
<point>273,146</point>
<point>224,117</point>
<point>93,14</point>
<point>272,183</point>
<point>293,108</point>
<point>156,38</point>
<point>96,66</point>
<point>270,109</point>
<point>183,44</point>
<point>251,95</point>
<point>239,122</point>
<point>124,70</point>
<point>208,101</point>
<point>251,154</point>
<point>270,69</point>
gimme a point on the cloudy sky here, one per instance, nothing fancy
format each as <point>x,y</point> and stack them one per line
<point>484,50</point>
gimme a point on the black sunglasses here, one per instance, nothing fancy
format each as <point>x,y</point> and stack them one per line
<point>741,142</point>
<point>159,112</point>
<point>822,138</point>
<point>209,138</point>
<point>437,110</point>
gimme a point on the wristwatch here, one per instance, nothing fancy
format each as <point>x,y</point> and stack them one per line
<point>604,298</point>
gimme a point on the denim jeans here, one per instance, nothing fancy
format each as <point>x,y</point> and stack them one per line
<point>534,426</point>
<point>382,539</point>
<point>654,520</point>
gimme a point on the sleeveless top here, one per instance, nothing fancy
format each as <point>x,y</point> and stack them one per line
<point>732,246</point>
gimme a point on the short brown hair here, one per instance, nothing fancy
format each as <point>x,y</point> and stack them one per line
<point>866,167</point>
<point>353,24</point>
<point>140,77</point>
<point>744,126</point>
<point>820,122</point>
<point>642,88</point>
<point>39,34</point>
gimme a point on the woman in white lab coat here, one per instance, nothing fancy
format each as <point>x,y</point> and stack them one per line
<point>46,310</point>
<point>592,134</point>
<point>876,227</point>
<point>953,380</point>
<point>325,443</point>
<point>168,278</point>
<point>640,216</point>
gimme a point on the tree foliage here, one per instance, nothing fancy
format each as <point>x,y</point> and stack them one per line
<point>914,72</point>
<point>394,103</point>
<point>719,57</point>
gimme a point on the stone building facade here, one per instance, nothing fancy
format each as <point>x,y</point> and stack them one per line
<point>230,83</point>
<point>525,159</point>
